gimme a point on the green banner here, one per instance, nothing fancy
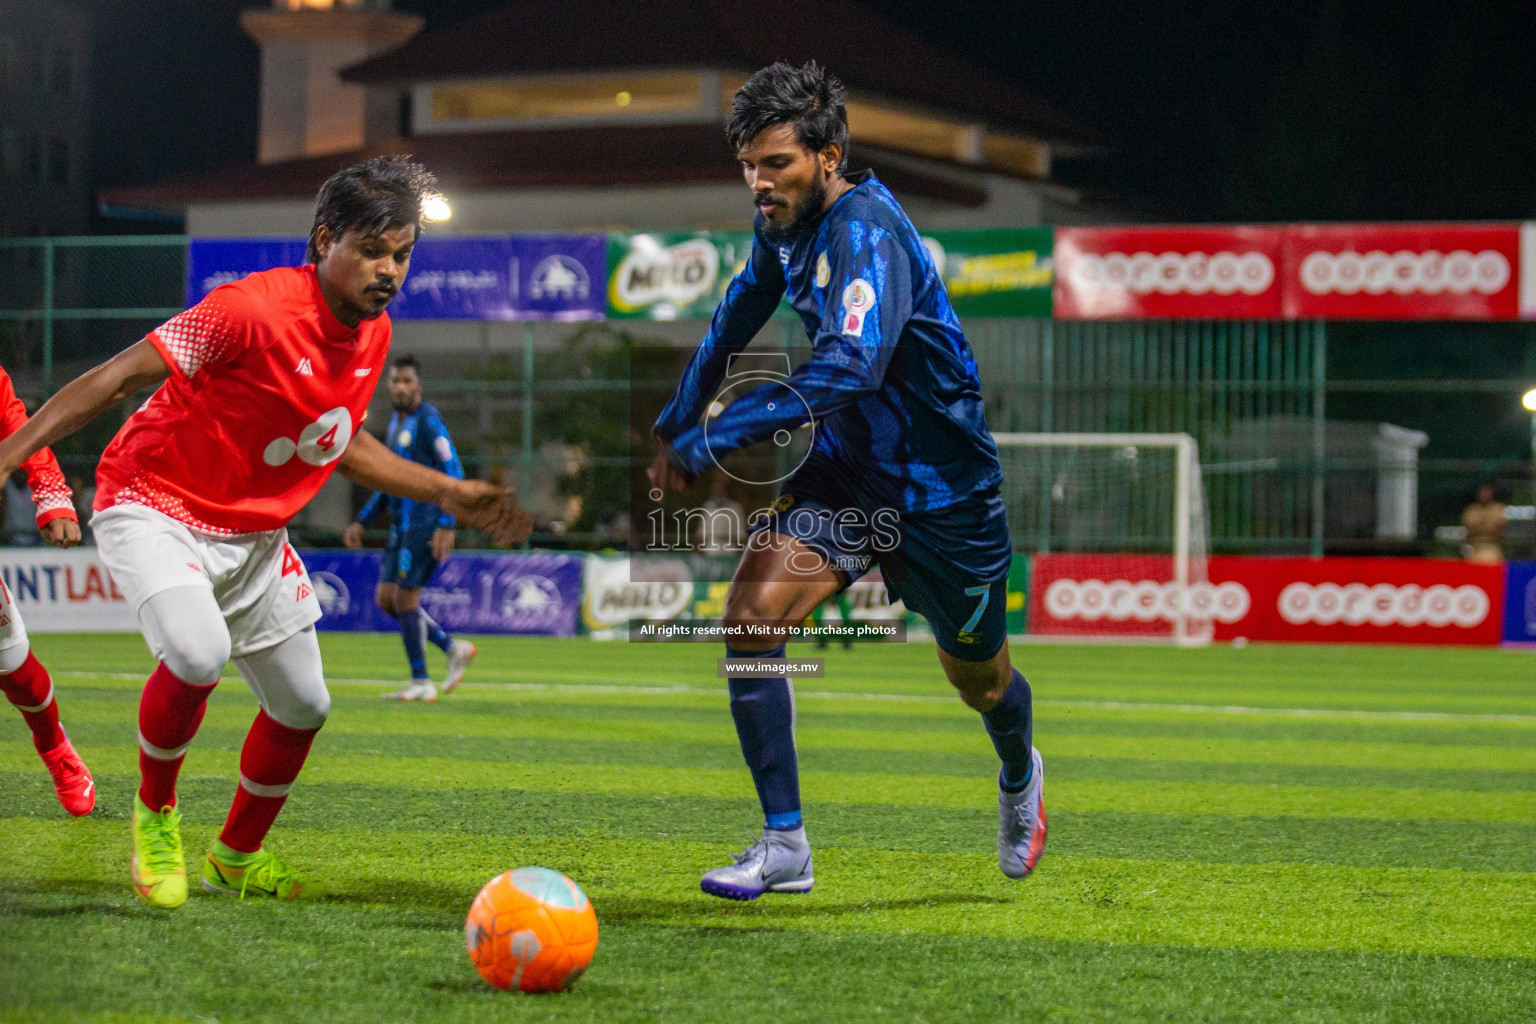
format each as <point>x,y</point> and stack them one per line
<point>672,275</point>
<point>997,272</point>
<point>678,275</point>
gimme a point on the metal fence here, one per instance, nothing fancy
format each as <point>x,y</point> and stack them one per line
<point>544,406</point>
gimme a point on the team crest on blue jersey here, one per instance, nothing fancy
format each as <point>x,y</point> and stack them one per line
<point>823,271</point>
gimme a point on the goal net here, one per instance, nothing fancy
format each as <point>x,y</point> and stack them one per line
<point>1116,523</point>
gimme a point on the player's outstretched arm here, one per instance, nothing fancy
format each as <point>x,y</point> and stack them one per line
<point>476,503</point>
<point>139,365</point>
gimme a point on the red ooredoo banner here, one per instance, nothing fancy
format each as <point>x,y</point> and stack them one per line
<point>1188,273</point>
<point>1401,271</point>
<point>1329,600</point>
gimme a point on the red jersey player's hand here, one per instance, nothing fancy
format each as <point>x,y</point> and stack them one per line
<point>487,507</point>
<point>442,543</point>
<point>352,536</point>
<point>62,532</point>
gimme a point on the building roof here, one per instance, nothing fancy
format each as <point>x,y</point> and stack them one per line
<point>532,158</point>
<point>861,46</point>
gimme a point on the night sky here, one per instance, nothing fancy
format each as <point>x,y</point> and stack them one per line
<point>1214,111</point>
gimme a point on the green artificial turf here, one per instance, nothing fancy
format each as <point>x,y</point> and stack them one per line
<point>1297,834</point>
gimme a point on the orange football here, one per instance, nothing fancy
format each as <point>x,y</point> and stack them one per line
<point>531,929</point>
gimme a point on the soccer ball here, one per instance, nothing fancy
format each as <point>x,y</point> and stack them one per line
<point>532,929</point>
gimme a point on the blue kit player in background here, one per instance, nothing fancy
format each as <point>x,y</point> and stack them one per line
<point>420,535</point>
<point>901,471</point>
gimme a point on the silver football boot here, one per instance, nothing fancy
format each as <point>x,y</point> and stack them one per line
<point>778,861</point>
<point>1021,831</point>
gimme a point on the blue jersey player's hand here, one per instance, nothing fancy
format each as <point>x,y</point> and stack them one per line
<point>664,472</point>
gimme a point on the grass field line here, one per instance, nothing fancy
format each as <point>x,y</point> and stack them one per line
<point>443,720</point>
<point>661,687</point>
<point>869,891</point>
<point>1227,799</point>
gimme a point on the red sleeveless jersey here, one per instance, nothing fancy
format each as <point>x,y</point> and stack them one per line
<point>266,392</point>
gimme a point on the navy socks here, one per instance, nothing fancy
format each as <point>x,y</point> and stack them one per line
<point>764,711</point>
<point>415,653</point>
<point>1011,726</point>
<point>436,634</point>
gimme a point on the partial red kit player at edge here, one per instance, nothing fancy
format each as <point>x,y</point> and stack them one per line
<point>23,680</point>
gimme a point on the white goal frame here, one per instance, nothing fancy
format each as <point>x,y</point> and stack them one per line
<point>1186,473</point>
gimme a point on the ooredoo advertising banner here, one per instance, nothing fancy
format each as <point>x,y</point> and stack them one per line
<point>1349,600</point>
<point>1168,272</point>
<point>527,593</point>
<point>64,591</point>
<point>493,277</point>
<point>1402,271</point>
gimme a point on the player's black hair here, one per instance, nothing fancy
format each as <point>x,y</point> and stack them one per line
<point>807,96</point>
<point>407,361</point>
<point>375,195</point>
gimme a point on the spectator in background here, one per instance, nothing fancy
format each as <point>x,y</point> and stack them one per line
<point>1484,520</point>
<point>85,497</point>
<point>20,514</point>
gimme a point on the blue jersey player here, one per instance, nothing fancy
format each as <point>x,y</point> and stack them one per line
<point>420,535</point>
<point>901,470</point>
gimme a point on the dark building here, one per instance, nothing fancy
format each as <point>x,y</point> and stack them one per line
<point>45,127</point>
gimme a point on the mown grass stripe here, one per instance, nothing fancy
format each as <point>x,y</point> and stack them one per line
<point>1124,835</point>
<point>1296,801</point>
<point>810,735</point>
<point>979,762</point>
<point>1420,679</point>
<point>877,892</point>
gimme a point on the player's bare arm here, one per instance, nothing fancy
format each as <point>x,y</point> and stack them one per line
<point>82,400</point>
<point>479,504</point>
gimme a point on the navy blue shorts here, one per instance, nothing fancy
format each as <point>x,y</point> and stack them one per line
<point>948,565</point>
<point>408,560</point>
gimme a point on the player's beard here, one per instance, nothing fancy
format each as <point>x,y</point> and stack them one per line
<point>810,208</point>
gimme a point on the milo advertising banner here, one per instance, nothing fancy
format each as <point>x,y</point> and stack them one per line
<point>669,276</point>
<point>672,276</point>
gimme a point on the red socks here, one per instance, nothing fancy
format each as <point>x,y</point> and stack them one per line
<point>269,762</point>
<point>30,689</point>
<point>169,713</point>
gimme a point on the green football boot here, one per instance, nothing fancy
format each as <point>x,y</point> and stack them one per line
<point>250,874</point>
<point>159,872</point>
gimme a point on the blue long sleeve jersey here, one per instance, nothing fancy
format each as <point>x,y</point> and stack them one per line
<point>891,382</point>
<point>421,437</point>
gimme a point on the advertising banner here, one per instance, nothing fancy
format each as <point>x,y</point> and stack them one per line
<point>1328,600</point>
<point>66,591</point>
<point>525,593</point>
<point>1004,272</point>
<point>1168,273</point>
<point>494,277</point>
<point>1520,603</point>
<point>1402,271</point>
<point>670,276</point>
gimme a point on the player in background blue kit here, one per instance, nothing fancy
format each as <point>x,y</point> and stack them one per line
<point>420,535</point>
<point>901,471</point>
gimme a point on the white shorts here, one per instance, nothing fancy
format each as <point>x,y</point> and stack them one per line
<point>258,580</point>
<point>12,630</point>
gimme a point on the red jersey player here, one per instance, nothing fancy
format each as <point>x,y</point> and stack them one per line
<point>23,679</point>
<point>264,387</point>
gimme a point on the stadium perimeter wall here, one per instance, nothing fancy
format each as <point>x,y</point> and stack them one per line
<point>1059,596</point>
